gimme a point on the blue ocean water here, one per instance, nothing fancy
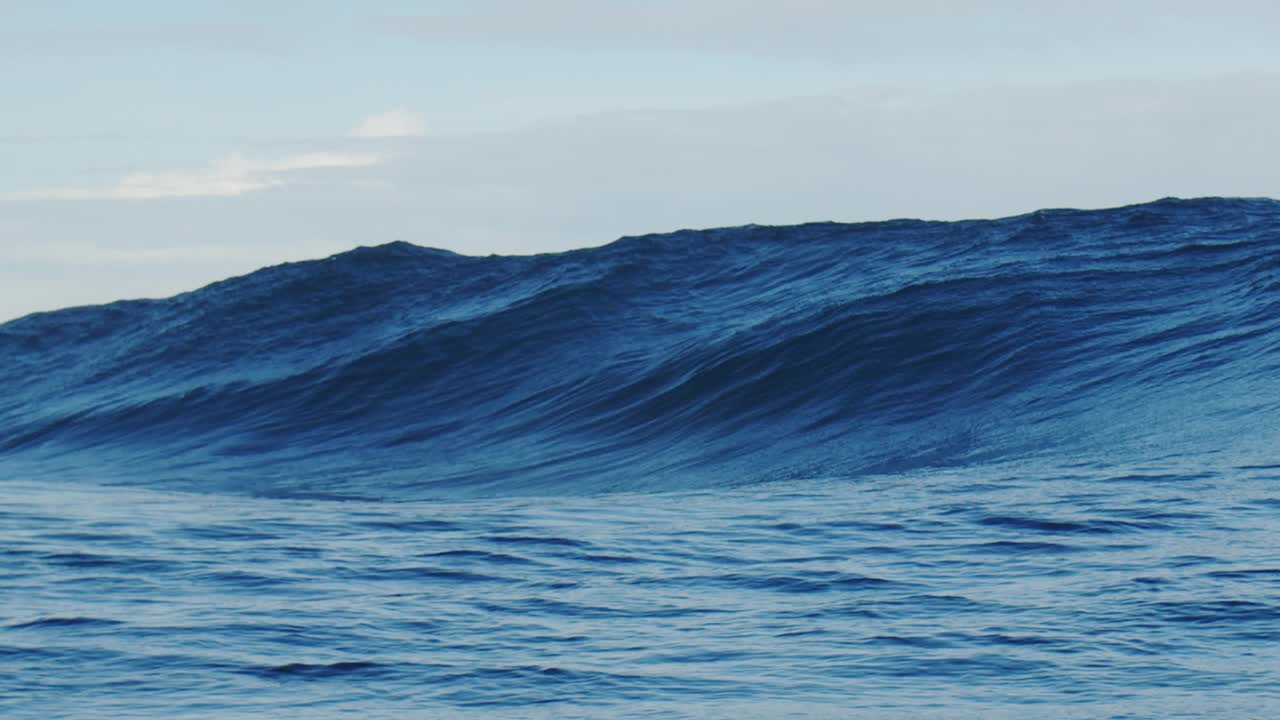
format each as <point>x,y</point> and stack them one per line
<point>1014,468</point>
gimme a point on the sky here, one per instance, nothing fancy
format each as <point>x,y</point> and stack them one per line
<point>149,147</point>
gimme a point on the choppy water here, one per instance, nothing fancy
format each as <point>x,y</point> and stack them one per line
<point>981,594</point>
<point>1019,468</point>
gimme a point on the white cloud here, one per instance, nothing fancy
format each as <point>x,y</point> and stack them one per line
<point>322,160</point>
<point>84,253</point>
<point>885,32</point>
<point>390,124</point>
<point>229,176</point>
<point>86,40</point>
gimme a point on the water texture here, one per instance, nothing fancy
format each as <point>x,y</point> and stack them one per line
<point>1013,468</point>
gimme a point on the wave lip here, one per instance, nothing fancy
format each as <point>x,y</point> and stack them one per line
<point>1145,334</point>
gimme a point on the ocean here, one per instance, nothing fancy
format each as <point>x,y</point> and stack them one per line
<point>1024,467</point>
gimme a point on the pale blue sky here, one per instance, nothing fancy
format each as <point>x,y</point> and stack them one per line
<point>150,147</point>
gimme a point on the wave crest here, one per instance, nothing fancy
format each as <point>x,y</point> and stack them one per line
<point>695,358</point>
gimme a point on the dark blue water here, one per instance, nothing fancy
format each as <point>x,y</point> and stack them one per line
<point>1015,468</point>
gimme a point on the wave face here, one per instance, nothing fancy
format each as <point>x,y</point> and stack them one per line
<point>1148,334</point>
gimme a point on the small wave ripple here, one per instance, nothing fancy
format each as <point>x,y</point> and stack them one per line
<point>970,594</point>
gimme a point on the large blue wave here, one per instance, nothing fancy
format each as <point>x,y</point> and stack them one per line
<point>1147,334</point>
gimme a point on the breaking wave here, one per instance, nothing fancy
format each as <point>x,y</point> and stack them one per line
<point>1147,335</point>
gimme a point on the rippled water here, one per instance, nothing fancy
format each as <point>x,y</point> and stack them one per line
<point>1020,468</point>
<point>1152,593</point>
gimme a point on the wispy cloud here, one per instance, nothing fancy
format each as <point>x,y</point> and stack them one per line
<point>864,31</point>
<point>229,176</point>
<point>86,253</point>
<point>390,124</point>
<point>87,41</point>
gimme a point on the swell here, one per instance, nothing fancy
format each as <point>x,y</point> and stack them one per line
<point>735,355</point>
